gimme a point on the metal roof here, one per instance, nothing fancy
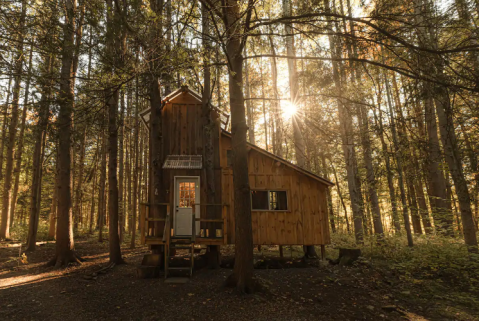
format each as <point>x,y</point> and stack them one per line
<point>183,162</point>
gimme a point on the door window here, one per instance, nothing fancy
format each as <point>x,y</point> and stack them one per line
<point>187,194</point>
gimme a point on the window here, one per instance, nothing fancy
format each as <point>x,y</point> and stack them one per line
<point>278,201</point>
<point>259,200</point>
<point>187,194</point>
<point>269,200</point>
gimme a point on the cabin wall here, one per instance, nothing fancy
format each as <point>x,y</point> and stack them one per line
<point>305,222</point>
<point>183,134</point>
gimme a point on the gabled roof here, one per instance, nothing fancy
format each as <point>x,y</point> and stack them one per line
<point>145,114</point>
<point>285,162</point>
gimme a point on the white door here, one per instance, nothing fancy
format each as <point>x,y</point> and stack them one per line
<point>187,192</point>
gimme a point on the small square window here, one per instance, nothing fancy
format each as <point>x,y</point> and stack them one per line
<point>269,200</point>
<point>259,200</point>
<point>278,201</point>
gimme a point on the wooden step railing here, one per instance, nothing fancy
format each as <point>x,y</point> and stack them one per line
<point>150,226</point>
<point>209,231</point>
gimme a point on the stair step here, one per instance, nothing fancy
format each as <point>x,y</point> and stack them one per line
<point>179,268</point>
<point>177,280</point>
<point>180,247</point>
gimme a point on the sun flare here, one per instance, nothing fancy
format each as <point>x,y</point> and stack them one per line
<point>288,109</point>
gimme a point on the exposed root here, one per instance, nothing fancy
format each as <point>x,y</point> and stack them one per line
<point>64,260</point>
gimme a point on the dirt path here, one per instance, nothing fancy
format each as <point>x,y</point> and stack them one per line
<point>33,292</point>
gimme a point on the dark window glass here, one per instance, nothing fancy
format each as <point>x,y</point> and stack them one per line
<point>259,200</point>
<point>278,201</point>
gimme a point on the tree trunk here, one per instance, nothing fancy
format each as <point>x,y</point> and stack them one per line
<point>12,129</point>
<point>121,135</point>
<point>389,173</point>
<point>278,121</point>
<point>249,105</point>
<point>399,159</point>
<point>5,122</point>
<point>347,138</point>
<point>136,191</point>
<point>454,162</point>
<point>242,276</point>
<point>64,245</point>
<point>370,176</point>
<point>18,154</point>
<point>101,198</point>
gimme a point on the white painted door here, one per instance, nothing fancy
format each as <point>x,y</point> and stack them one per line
<point>187,192</point>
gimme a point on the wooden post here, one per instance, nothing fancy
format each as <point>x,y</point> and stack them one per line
<point>225,225</point>
<point>193,227</point>
<point>323,252</point>
<point>281,254</point>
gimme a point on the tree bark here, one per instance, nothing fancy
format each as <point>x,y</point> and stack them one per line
<point>12,129</point>
<point>136,192</point>
<point>347,139</point>
<point>18,154</point>
<point>64,252</point>
<point>399,160</point>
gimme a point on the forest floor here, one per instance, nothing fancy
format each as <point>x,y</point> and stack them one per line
<point>295,290</point>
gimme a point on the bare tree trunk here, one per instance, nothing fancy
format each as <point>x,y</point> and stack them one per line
<point>399,159</point>
<point>328,194</point>
<point>136,194</point>
<point>121,137</point>
<point>278,121</point>
<point>12,129</point>
<point>242,277</point>
<point>53,212</point>
<point>347,138</point>
<point>65,244</point>
<point>18,154</point>
<point>249,105</point>
<point>101,200</point>
<point>93,194</point>
<point>389,173</point>
<point>341,198</point>
<point>454,162</point>
<point>371,179</point>
<point>112,97</point>
<point>5,122</point>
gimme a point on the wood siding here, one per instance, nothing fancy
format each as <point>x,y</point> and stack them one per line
<point>305,221</point>
<point>183,134</point>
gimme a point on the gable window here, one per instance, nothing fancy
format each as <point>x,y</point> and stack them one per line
<point>269,200</point>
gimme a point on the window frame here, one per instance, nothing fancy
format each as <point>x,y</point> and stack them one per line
<point>288,209</point>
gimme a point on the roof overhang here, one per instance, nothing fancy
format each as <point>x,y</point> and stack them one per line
<point>183,162</point>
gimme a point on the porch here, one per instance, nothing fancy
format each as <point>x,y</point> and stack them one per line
<point>208,224</point>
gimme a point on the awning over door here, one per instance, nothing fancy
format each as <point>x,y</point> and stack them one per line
<point>183,162</point>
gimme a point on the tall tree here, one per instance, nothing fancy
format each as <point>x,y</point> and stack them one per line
<point>12,128</point>
<point>64,249</point>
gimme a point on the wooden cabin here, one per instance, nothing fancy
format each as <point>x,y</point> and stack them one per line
<point>288,203</point>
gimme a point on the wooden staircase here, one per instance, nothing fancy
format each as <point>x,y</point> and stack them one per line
<point>170,253</point>
<point>174,243</point>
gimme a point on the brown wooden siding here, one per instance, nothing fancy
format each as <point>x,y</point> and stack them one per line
<point>306,220</point>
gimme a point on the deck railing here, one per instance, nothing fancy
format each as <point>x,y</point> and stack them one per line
<point>208,226</point>
<point>211,229</point>
<point>150,226</point>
